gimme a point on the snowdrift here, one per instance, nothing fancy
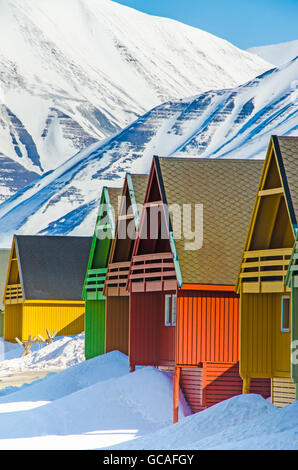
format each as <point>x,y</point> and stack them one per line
<point>243,422</point>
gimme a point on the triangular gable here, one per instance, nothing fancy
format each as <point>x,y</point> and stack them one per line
<point>127,220</point>
<point>272,222</point>
<point>101,243</point>
<point>13,292</point>
<point>121,248</point>
<point>155,194</point>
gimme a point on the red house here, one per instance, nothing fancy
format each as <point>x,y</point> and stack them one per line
<point>184,313</point>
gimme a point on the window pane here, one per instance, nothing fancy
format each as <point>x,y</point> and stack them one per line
<point>285,314</point>
<point>174,309</point>
<point>167,310</point>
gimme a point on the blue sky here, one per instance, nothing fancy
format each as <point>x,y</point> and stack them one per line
<point>245,23</point>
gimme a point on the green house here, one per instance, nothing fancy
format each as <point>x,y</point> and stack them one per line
<point>95,303</point>
<point>292,282</point>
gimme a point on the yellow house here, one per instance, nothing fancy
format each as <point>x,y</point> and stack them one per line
<point>43,286</point>
<point>265,300</point>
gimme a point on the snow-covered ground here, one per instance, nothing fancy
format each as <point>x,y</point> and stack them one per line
<point>64,352</point>
<point>98,404</point>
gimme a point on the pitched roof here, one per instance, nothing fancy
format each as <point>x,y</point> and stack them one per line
<point>139,183</point>
<point>226,189</point>
<point>287,155</point>
<point>136,185</point>
<point>114,193</point>
<point>4,260</point>
<point>52,267</point>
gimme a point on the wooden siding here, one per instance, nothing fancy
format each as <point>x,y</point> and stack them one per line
<point>152,272</point>
<point>294,328</point>
<point>264,270</point>
<point>207,327</point>
<point>13,321</point>
<point>283,391</point>
<point>116,279</point>
<point>151,342</point>
<point>1,324</point>
<point>264,349</point>
<point>222,381</point>
<point>94,328</point>
<point>191,384</point>
<point>117,324</point>
<point>65,318</point>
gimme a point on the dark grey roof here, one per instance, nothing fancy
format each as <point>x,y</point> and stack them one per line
<point>52,267</point>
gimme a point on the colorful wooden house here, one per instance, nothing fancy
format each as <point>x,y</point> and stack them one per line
<point>265,344</point>
<point>292,282</point>
<point>43,286</point>
<point>117,297</point>
<point>96,272</point>
<point>184,313</point>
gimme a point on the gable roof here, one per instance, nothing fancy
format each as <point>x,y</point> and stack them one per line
<point>283,153</point>
<point>100,246</point>
<point>4,261</point>
<point>226,189</point>
<point>113,194</point>
<point>52,267</point>
<point>121,248</point>
<point>137,185</point>
<point>286,149</point>
<point>108,210</point>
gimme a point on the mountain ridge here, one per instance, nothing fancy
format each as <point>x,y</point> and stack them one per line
<point>228,123</point>
<point>67,84</point>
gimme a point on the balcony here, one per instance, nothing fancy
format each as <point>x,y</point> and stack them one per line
<point>116,278</point>
<point>265,270</point>
<point>154,272</point>
<point>13,294</point>
<point>94,284</point>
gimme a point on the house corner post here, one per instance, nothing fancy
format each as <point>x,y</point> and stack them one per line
<point>176,394</point>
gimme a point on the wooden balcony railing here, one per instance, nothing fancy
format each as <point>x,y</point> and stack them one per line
<point>94,283</point>
<point>154,272</point>
<point>116,278</point>
<point>265,270</point>
<point>13,294</point>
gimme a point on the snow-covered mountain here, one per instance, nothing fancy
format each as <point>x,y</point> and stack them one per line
<point>73,72</point>
<point>229,123</point>
<point>277,54</point>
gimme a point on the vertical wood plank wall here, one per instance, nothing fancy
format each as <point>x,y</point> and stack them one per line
<point>151,342</point>
<point>65,318</point>
<point>13,321</point>
<point>264,349</point>
<point>94,328</point>
<point>117,324</point>
<point>207,327</point>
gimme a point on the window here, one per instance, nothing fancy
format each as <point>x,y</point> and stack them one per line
<point>170,310</point>
<point>167,310</point>
<point>285,314</point>
<point>174,309</point>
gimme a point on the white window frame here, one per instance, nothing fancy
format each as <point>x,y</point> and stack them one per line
<point>167,310</point>
<point>282,329</point>
<point>174,309</point>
